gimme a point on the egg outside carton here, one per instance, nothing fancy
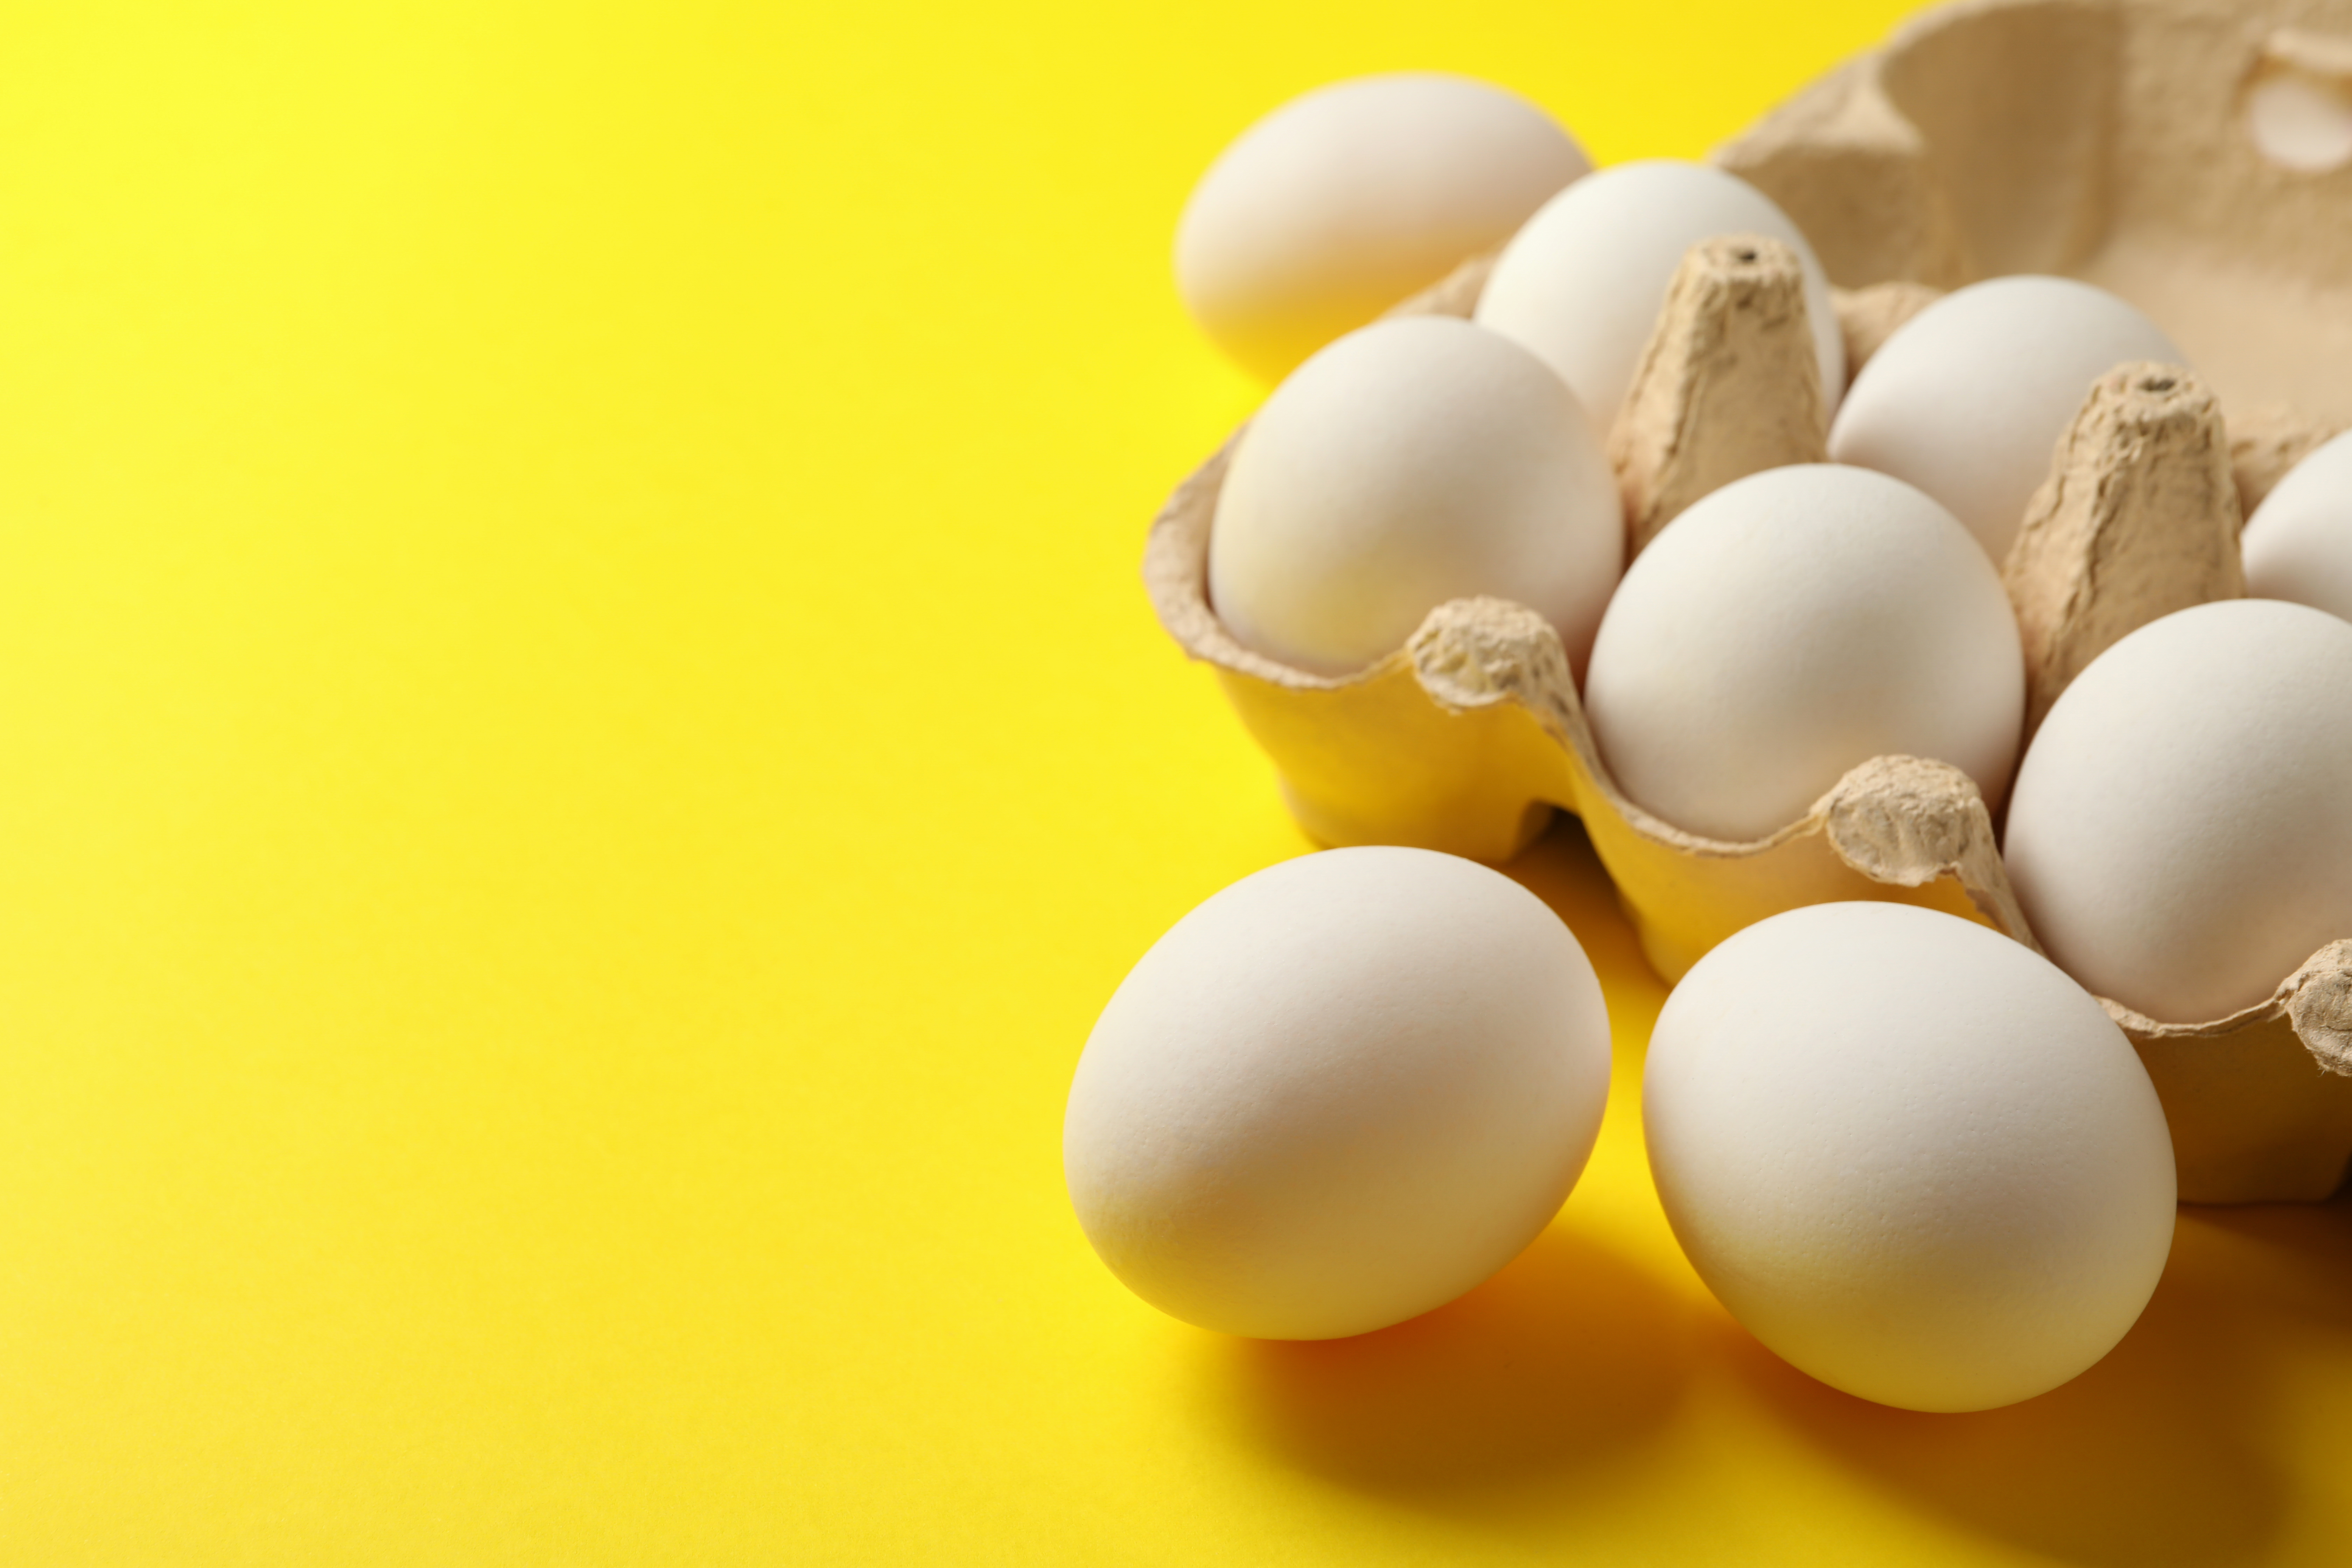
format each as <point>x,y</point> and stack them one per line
<point>1469,737</point>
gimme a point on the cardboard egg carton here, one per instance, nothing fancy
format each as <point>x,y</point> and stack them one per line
<point>1466,739</point>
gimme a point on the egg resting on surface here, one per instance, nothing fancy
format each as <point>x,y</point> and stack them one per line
<point>1789,627</point>
<point>1908,1155</point>
<point>1412,462</point>
<point>1969,399</point>
<point>2180,836</point>
<point>1583,283</point>
<point>1339,1093</point>
<point>1348,199</point>
<point>2298,543</point>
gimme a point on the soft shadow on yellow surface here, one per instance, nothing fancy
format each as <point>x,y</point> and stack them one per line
<point>2157,1455</point>
<point>1552,1370</point>
<point>1560,869</point>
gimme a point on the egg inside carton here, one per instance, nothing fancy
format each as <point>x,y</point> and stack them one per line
<point>2136,146</point>
<point>1468,738</point>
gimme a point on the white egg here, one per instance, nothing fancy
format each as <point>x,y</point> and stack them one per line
<point>1339,1093</point>
<point>1345,201</point>
<point>1412,462</point>
<point>2298,543</point>
<point>1583,283</point>
<point>1789,627</point>
<point>1970,398</point>
<point>1908,1155</point>
<point>2180,836</point>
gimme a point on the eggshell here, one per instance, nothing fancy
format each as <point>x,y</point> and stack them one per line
<point>1582,283</point>
<point>1344,201</point>
<point>1412,462</point>
<point>1337,1094</point>
<point>1908,1155</point>
<point>2298,543</point>
<point>1969,398</point>
<point>2181,832</point>
<point>1791,626</point>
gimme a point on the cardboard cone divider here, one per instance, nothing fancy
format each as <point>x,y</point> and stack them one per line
<point>1471,735</point>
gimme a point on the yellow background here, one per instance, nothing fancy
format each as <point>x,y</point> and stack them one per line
<point>580,746</point>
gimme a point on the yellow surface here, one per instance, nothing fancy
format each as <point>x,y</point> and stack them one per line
<point>580,745</point>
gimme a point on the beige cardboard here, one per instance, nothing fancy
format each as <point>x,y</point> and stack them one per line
<point>2106,140</point>
<point>1987,137</point>
<point>1732,390</point>
<point>2138,518</point>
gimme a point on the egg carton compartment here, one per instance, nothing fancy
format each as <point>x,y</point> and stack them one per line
<point>2192,156</point>
<point>1466,739</point>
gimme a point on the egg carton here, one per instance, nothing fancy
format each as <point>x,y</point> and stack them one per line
<point>2105,140</point>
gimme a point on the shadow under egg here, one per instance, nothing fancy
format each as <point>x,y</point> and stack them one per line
<point>2160,1454</point>
<point>1553,1368</point>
